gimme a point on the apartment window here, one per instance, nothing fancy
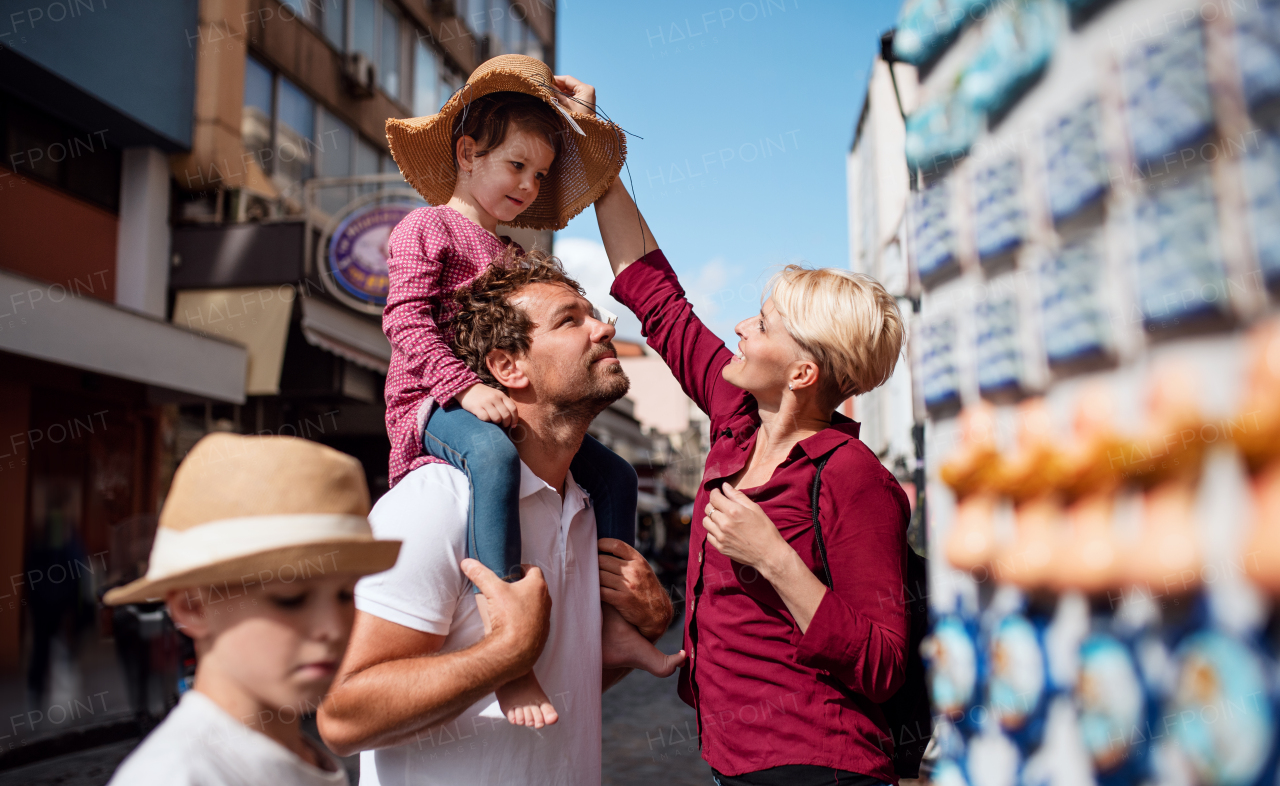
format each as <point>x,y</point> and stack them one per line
<point>255,117</point>
<point>476,14</point>
<point>336,143</point>
<point>364,28</point>
<point>426,80</point>
<point>389,50</point>
<point>343,154</point>
<point>375,32</point>
<point>74,160</point>
<point>303,9</point>
<point>295,136</point>
<point>333,22</point>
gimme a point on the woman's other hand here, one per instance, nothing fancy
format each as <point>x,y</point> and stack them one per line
<point>488,404</point>
<point>584,94</point>
<point>740,530</point>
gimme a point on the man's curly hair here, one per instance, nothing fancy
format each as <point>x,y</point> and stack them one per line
<point>487,320</point>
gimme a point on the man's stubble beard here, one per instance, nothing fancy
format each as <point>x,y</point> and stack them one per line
<point>605,385</point>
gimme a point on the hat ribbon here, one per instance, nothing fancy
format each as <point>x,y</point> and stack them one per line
<point>177,551</point>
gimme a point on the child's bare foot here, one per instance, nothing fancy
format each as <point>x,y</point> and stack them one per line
<point>525,704</point>
<point>625,647</point>
<point>522,700</point>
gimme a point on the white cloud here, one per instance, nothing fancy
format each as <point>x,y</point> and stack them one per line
<point>721,293</point>
<point>586,261</point>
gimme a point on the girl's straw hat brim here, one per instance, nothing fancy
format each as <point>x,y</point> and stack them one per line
<point>584,169</point>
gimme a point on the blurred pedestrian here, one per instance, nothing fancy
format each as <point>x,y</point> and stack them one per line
<point>259,547</point>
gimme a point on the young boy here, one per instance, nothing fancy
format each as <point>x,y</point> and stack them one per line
<point>258,550</point>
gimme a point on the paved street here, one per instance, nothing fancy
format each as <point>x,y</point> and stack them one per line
<point>649,738</point>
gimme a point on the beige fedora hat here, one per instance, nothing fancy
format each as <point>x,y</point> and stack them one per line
<point>254,509</point>
<point>592,150</point>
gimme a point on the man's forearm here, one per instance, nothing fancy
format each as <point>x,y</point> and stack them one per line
<point>625,234</point>
<point>392,703</point>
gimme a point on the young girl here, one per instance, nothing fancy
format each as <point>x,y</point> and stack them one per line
<point>501,151</point>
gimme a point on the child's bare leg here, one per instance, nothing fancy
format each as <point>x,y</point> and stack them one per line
<point>522,700</point>
<point>625,647</point>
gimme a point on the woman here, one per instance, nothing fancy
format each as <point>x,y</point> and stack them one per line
<point>784,673</point>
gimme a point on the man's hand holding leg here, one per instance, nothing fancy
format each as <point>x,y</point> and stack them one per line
<point>629,585</point>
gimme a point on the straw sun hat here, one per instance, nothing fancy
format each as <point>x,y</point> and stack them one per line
<point>591,149</point>
<point>247,510</point>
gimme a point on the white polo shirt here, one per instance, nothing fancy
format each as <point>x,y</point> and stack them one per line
<point>427,591</point>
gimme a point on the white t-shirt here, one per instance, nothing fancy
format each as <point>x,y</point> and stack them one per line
<point>427,591</point>
<point>199,744</point>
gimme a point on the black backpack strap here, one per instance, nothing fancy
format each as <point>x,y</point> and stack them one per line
<point>817,526</point>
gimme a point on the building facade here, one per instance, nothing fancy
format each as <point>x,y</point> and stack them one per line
<point>175,177</point>
<point>878,188</point>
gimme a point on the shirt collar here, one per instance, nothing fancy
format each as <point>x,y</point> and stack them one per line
<point>531,484</point>
<point>842,430</point>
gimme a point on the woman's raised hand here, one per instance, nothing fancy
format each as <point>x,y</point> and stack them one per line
<point>738,528</point>
<point>583,92</point>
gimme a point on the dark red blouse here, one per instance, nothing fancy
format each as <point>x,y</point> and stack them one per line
<point>765,693</point>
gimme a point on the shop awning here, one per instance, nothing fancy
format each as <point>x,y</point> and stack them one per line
<point>257,318</point>
<point>52,322</point>
<point>345,334</point>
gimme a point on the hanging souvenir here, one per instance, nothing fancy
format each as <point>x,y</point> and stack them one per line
<point>1258,50</point>
<point>1261,165</point>
<point>940,133</point>
<point>1076,327</point>
<point>955,666</point>
<point>1114,719</point>
<point>1017,43</point>
<point>1018,685</point>
<point>1168,104</point>
<point>933,239</point>
<point>999,360</point>
<point>1181,275</point>
<point>1076,170</point>
<point>1221,714</point>
<point>939,379</point>
<point>1000,222</point>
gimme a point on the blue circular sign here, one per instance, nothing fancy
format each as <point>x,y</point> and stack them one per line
<point>358,251</point>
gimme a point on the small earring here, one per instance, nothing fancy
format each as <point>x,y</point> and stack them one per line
<point>791,386</point>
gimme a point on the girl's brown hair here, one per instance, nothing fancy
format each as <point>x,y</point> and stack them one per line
<point>490,117</point>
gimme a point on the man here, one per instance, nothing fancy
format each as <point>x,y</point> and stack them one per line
<point>415,690</point>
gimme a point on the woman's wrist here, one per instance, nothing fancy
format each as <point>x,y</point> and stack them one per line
<point>780,563</point>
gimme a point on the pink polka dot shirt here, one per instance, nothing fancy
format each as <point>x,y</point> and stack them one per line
<point>432,253</point>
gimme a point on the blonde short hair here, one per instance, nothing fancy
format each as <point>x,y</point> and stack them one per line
<point>847,323</point>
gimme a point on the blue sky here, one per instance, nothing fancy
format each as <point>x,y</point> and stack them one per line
<point>747,112</point>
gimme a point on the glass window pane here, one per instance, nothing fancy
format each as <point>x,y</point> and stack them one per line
<point>336,151</point>
<point>335,144</point>
<point>425,79</point>
<point>476,16</point>
<point>367,164</point>
<point>389,57</point>
<point>335,22</point>
<point>257,86</point>
<point>366,158</point>
<point>301,8</point>
<point>295,135</point>
<point>363,25</point>
<point>336,141</point>
<point>514,42</point>
<point>255,118</point>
